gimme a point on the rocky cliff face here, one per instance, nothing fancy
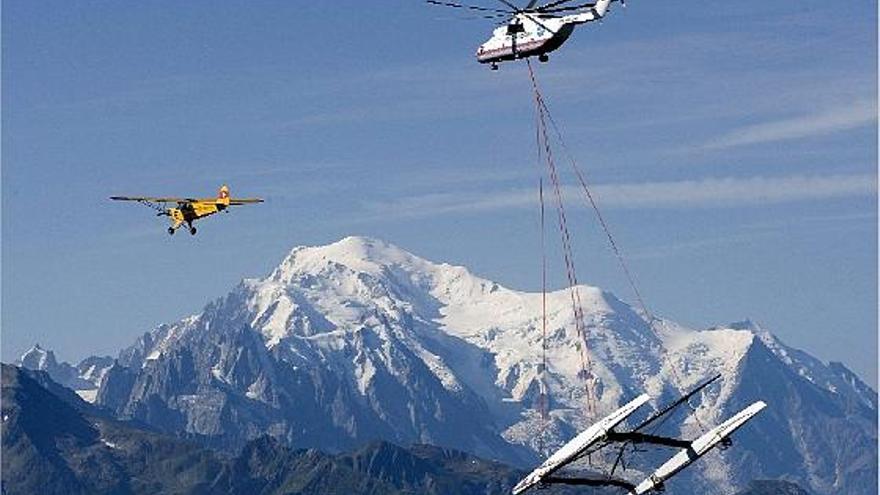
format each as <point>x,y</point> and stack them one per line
<point>360,340</point>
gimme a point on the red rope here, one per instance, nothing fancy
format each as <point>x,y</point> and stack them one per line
<point>565,235</point>
<point>545,115</point>
<point>601,218</point>
<point>543,377</point>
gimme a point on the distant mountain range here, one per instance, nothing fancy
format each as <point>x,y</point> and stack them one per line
<point>359,340</point>
<point>58,444</point>
<point>54,445</point>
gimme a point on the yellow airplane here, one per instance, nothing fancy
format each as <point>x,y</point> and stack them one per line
<point>189,209</point>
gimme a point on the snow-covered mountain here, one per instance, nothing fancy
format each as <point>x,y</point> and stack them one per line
<point>84,378</point>
<point>359,340</point>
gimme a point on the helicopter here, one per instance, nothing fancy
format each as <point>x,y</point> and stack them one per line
<point>532,30</point>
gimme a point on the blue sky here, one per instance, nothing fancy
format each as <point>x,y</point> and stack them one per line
<point>733,146</point>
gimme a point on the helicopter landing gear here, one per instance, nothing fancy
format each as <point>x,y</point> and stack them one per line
<point>494,66</point>
<point>192,231</point>
<point>543,58</point>
<point>170,230</point>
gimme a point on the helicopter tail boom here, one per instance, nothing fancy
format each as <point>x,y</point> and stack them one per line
<point>597,12</point>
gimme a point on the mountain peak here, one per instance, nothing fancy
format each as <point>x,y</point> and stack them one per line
<point>38,358</point>
<point>360,241</point>
<point>746,324</point>
<point>354,250</point>
<point>83,380</point>
<point>359,254</point>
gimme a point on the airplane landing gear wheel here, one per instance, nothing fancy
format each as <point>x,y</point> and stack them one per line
<point>192,231</point>
<point>170,230</point>
<point>543,57</point>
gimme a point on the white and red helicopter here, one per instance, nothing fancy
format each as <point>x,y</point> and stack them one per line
<point>533,30</point>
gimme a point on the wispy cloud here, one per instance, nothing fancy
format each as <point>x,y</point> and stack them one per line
<point>754,232</point>
<point>821,123</point>
<point>715,192</point>
<point>704,193</point>
<point>658,251</point>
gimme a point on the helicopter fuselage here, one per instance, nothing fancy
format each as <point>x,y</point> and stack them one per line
<point>511,43</point>
<point>531,34</point>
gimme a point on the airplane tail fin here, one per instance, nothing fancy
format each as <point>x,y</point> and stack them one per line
<point>223,195</point>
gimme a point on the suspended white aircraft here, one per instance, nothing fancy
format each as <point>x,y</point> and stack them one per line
<point>532,30</point>
<point>603,434</point>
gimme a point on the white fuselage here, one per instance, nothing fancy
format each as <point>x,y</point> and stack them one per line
<point>532,40</point>
<point>527,35</point>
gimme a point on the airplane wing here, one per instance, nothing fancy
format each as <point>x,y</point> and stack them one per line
<point>152,199</point>
<point>232,201</point>
<point>578,444</point>
<point>697,449</point>
<point>244,201</point>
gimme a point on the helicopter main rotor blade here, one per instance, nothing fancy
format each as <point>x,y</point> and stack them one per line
<point>538,22</point>
<point>552,4</point>
<point>568,8</point>
<point>469,7</point>
<point>512,6</point>
<point>518,11</point>
<point>473,17</point>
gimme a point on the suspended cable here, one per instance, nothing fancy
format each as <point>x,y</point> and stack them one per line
<point>543,376</point>
<point>574,293</point>
<point>544,116</point>
<point>595,206</point>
